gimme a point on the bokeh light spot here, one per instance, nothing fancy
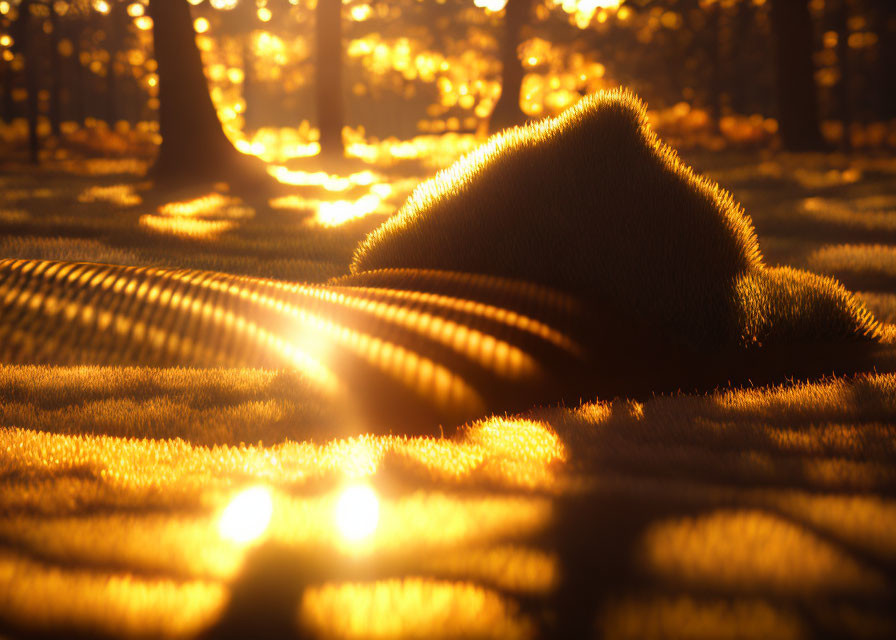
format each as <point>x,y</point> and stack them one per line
<point>247,516</point>
<point>357,513</point>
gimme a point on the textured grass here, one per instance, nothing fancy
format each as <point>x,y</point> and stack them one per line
<point>783,500</point>
<point>593,203</point>
<point>753,513</point>
<point>117,220</point>
<point>872,266</point>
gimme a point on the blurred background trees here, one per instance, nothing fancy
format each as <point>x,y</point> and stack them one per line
<point>294,78</point>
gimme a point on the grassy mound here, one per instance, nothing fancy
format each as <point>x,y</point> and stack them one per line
<point>593,203</point>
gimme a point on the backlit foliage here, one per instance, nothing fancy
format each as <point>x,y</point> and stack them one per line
<point>435,62</point>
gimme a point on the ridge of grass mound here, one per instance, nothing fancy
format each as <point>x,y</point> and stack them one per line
<point>593,203</point>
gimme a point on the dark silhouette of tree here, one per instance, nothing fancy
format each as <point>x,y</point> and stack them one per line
<point>749,64</point>
<point>194,147</point>
<point>116,26</point>
<point>55,110</point>
<point>74,27</point>
<point>715,52</point>
<point>328,69</point>
<point>885,29</point>
<point>844,86</point>
<point>798,117</point>
<point>507,112</point>
<point>7,83</point>
<point>23,42</point>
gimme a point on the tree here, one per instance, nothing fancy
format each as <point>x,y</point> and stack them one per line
<point>55,112</point>
<point>844,86</point>
<point>507,112</point>
<point>116,26</point>
<point>194,147</point>
<point>798,118</point>
<point>328,68</point>
<point>23,42</point>
<point>885,22</point>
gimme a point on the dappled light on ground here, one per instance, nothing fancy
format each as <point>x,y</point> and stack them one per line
<point>370,193</point>
<point>413,608</point>
<point>139,501</point>
<point>692,493</point>
<point>185,227</point>
<point>122,195</point>
<point>332,214</point>
<point>700,618</point>
<point>751,549</point>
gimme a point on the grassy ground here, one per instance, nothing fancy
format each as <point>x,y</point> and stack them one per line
<point>763,513</point>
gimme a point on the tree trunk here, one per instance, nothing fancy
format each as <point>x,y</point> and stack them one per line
<point>507,112</point>
<point>79,112</point>
<point>7,104</point>
<point>715,54</point>
<point>194,147</point>
<point>55,75</point>
<point>114,37</point>
<point>798,118</point>
<point>741,101</point>
<point>25,37</point>
<point>330,114</point>
<point>885,19</point>
<point>844,87</point>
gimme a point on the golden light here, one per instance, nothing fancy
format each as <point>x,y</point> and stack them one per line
<point>200,25</point>
<point>102,6</point>
<point>264,14</point>
<point>247,516</point>
<point>361,12</point>
<point>333,214</point>
<point>357,513</point>
<point>136,10</point>
<point>491,5</point>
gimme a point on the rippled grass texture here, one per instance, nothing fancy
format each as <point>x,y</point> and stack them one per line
<point>751,513</point>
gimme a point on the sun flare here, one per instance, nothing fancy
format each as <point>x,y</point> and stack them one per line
<point>247,516</point>
<point>357,513</point>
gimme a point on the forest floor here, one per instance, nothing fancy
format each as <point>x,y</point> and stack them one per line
<point>747,513</point>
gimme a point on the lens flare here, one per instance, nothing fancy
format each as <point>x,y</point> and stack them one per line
<point>247,516</point>
<point>357,513</point>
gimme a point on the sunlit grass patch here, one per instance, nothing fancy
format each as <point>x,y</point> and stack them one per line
<point>750,491</point>
<point>862,266</point>
<point>122,195</point>
<point>882,305</point>
<point>209,406</point>
<point>69,216</point>
<point>695,618</point>
<point>859,215</point>
<point>69,249</point>
<point>51,598</point>
<point>751,549</point>
<point>411,608</point>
